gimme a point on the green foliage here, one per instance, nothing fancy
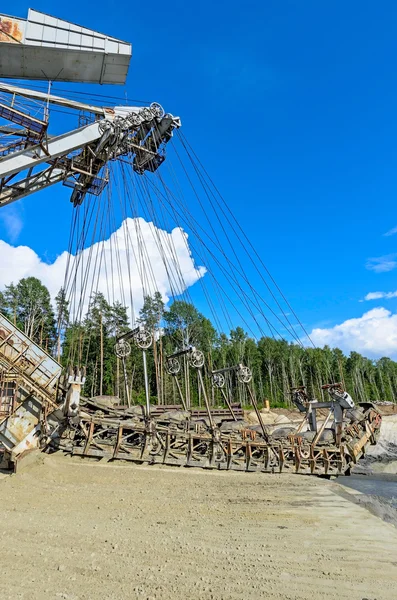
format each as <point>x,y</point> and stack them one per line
<point>186,326</point>
<point>152,311</point>
<point>28,305</point>
<point>277,365</point>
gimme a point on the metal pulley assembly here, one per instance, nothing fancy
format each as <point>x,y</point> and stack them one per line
<point>218,380</point>
<point>141,336</point>
<point>196,358</point>
<point>157,110</point>
<point>143,339</point>
<point>173,366</point>
<point>122,349</point>
<point>105,125</point>
<point>244,374</point>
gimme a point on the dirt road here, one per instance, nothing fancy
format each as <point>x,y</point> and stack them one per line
<point>79,530</point>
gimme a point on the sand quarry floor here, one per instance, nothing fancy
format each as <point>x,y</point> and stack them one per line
<point>77,529</point>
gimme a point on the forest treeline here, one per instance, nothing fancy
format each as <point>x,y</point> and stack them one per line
<point>277,365</point>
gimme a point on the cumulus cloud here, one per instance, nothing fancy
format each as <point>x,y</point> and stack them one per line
<point>382,264</point>
<point>391,232</point>
<point>136,260</point>
<point>374,334</point>
<point>380,295</point>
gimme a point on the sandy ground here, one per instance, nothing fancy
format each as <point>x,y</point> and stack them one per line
<point>76,530</point>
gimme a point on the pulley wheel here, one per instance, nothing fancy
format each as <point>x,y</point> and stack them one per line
<point>218,380</point>
<point>173,366</point>
<point>143,339</point>
<point>196,359</point>
<point>122,349</point>
<point>244,375</point>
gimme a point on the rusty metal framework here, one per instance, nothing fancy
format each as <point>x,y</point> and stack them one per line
<point>44,414</point>
<point>35,409</point>
<point>28,392</point>
<point>222,439</point>
<point>177,438</point>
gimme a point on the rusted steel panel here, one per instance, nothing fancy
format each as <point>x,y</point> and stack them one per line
<point>20,424</point>
<point>44,47</point>
<point>20,352</point>
<point>11,30</point>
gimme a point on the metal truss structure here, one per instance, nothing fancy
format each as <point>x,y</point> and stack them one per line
<point>32,159</point>
<point>222,439</point>
<point>37,410</point>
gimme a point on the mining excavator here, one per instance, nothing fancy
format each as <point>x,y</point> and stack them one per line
<point>41,408</point>
<point>331,437</point>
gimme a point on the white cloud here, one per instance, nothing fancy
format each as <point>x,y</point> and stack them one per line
<point>391,232</point>
<point>374,334</point>
<point>382,264</point>
<point>380,295</point>
<point>138,258</point>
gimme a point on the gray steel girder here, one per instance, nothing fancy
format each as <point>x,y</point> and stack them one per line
<point>31,184</point>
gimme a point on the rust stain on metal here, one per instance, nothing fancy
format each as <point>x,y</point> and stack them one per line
<point>10,31</point>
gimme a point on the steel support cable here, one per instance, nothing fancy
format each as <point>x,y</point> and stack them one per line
<point>220,298</point>
<point>81,235</point>
<point>157,235</point>
<point>26,107</point>
<point>111,225</point>
<point>247,239</point>
<point>174,273</point>
<point>80,241</point>
<point>241,298</point>
<point>233,268</point>
<point>170,260</point>
<point>140,240</point>
<point>108,237</point>
<point>118,256</point>
<point>183,291</point>
<point>84,271</point>
<point>138,234</point>
<point>72,230</point>
<point>240,315</point>
<point>242,274</point>
<point>216,216</point>
<point>79,259</point>
<point>148,213</point>
<point>146,263</point>
<point>146,269</point>
<point>141,255</point>
<point>73,233</point>
<point>88,274</point>
<point>78,93</point>
<point>21,103</point>
<point>127,238</point>
<point>227,275</point>
<point>198,274</point>
<point>115,251</point>
<point>134,212</point>
<point>93,293</point>
<point>199,277</point>
<point>169,240</point>
<point>292,330</point>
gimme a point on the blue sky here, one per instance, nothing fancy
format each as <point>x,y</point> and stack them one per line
<point>292,107</point>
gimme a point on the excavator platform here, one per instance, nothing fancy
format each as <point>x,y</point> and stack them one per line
<point>28,392</point>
